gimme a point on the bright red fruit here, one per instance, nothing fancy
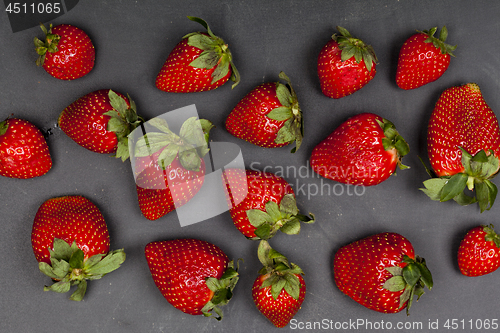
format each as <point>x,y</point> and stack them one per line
<point>70,240</point>
<point>364,150</point>
<point>24,153</point>
<point>423,58</point>
<point>194,276</point>
<point>479,251</point>
<point>67,52</point>
<point>345,65</point>
<point>268,116</point>
<point>381,272</point>
<point>200,62</point>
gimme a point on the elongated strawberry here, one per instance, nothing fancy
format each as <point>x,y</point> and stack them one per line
<point>423,58</point>
<point>199,62</point>
<point>479,251</point>
<point>194,276</point>
<point>67,52</point>
<point>101,122</point>
<point>268,116</point>
<point>363,150</point>
<point>463,144</point>
<point>345,65</point>
<point>279,290</point>
<point>70,240</point>
<point>381,272</point>
<point>267,206</point>
<point>24,153</point>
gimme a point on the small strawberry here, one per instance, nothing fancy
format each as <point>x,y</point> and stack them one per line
<point>199,62</point>
<point>194,276</point>
<point>381,272</point>
<point>364,150</point>
<point>267,205</point>
<point>101,122</point>
<point>268,116</point>
<point>24,153</point>
<point>345,65</point>
<point>479,251</point>
<point>423,58</point>
<point>463,143</point>
<point>70,241</point>
<point>67,53</point>
<point>169,168</point>
<point>279,290</point>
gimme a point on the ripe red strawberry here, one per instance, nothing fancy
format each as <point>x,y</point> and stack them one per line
<point>263,204</point>
<point>199,62</point>
<point>279,290</point>
<point>268,116</point>
<point>345,65</point>
<point>70,241</point>
<point>423,58</point>
<point>101,121</point>
<point>24,153</point>
<point>381,272</point>
<point>479,251</point>
<point>67,53</point>
<point>169,168</point>
<point>463,143</point>
<point>364,150</point>
<point>194,276</point>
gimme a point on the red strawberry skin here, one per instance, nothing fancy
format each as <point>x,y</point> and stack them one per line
<point>476,255</point>
<point>70,218</point>
<point>179,269</point>
<point>24,153</point>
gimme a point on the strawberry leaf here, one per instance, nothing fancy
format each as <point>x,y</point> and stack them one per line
<point>76,260</point>
<point>453,186</point>
<point>258,217</point>
<point>292,227</point>
<point>395,283</point>
<point>280,113</point>
<point>273,210</point>
<point>288,205</point>
<point>80,291</point>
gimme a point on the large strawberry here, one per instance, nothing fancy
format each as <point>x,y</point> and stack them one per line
<point>262,203</point>
<point>363,150</point>
<point>194,276</point>
<point>463,144</point>
<point>67,52</point>
<point>279,290</point>
<point>169,168</point>
<point>381,272</point>
<point>199,62</point>
<point>101,122</point>
<point>423,58</point>
<point>268,116</point>
<point>70,241</point>
<point>479,251</point>
<point>24,153</point>
<point>345,65</point>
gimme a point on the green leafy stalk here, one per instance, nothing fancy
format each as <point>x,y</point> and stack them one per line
<point>440,42</point>
<point>49,45</point>
<point>393,140</point>
<point>354,47</point>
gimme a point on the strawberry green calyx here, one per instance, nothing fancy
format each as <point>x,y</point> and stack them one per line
<point>411,279</point>
<point>215,53</point>
<point>223,290</point>
<point>293,129</point>
<point>49,45</point>
<point>69,267</point>
<point>284,217</point>
<point>491,235</point>
<point>439,42</point>
<point>393,140</point>
<point>354,47</point>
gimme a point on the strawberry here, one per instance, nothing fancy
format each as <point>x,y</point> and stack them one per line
<point>345,65</point>
<point>169,168</point>
<point>194,276</point>
<point>279,290</point>
<point>70,241</point>
<point>268,116</point>
<point>101,122</point>
<point>24,153</point>
<point>381,272</point>
<point>199,62</point>
<point>423,58</point>
<point>463,144</point>
<point>262,203</point>
<point>67,53</point>
<point>363,150</point>
<point>479,251</point>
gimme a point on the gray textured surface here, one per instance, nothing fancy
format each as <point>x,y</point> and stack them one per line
<point>132,40</point>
